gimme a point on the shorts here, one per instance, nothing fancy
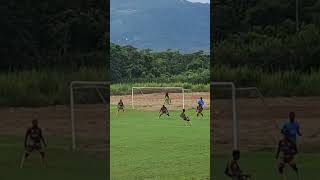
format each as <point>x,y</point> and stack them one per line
<point>34,147</point>
<point>164,112</point>
<point>286,160</point>
<point>186,119</point>
<point>199,110</point>
<point>120,107</point>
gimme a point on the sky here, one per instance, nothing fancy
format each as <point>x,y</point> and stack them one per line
<point>202,1</point>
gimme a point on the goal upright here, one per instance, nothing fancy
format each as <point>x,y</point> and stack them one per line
<point>74,85</point>
<point>235,123</point>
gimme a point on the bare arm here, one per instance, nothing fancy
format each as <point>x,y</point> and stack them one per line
<point>42,138</point>
<point>226,171</point>
<point>26,137</point>
<point>278,151</point>
<point>298,131</point>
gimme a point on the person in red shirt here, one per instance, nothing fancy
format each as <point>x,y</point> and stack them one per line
<point>33,142</point>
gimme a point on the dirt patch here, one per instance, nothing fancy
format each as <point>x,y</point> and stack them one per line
<point>90,122</point>
<point>259,124</point>
<point>153,102</point>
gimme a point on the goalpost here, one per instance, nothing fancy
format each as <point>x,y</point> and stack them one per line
<point>74,85</point>
<point>157,90</point>
<point>235,123</point>
<point>235,119</point>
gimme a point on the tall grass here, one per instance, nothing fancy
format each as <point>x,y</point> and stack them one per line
<point>286,83</point>
<point>44,87</point>
<point>125,88</point>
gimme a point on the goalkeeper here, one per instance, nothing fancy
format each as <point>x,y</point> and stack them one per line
<point>167,99</point>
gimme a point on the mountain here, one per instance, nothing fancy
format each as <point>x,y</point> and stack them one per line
<point>161,24</point>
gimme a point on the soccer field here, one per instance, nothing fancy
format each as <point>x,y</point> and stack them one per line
<point>262,166</point>
<point>61,164</point>
<point>145,147</point>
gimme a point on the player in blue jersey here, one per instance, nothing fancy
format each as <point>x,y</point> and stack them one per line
<point>200,107</point>
<point>201,102</point>
<point>291,128</point>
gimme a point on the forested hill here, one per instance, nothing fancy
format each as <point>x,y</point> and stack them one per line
<point>262,33</point>
<point>129,64</point>
<point>161,24</point>
<point>37,34</point>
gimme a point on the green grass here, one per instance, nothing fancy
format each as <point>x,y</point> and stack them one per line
<point>262,166</point>
<point>62,164</point>
<point>43,87</point>
<point>145,147</point>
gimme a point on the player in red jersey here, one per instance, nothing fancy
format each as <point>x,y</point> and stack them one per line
<point>33,142</point>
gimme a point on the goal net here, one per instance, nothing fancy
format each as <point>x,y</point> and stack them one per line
<point>89,110</point>
<point>152,98</point>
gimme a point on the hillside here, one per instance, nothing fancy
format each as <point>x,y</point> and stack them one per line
<point>161,25</point>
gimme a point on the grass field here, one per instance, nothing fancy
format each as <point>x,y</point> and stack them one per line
<point>62,164</point>
<point>262,166</point>
<point>145,147</point>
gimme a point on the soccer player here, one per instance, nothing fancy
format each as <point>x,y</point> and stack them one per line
<point>199,111</point>
<point>185,118</point>
<point>233,169</point>
<point>32,142</point>
<point>201,103</point>
<point>120,106</point>
<point>291,128</point>
<point>167,99</point>
<point>163,110</point>
<point>288,151</point>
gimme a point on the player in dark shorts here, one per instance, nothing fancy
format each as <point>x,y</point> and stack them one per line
<point>163,110</point>
<point>233,169</point>
<point>33,142</point>
<point>288,150</point>
<point>199,110</point>
<point>120,105</point>
<point>185,118</point>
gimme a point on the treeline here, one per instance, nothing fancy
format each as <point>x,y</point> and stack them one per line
<point>52,34</point>
<point>44,88</point>
<point>47,44</point>
<point>258,44</point>
<point>128,64</point>
<point>262,33</point>
<point>281,83</point>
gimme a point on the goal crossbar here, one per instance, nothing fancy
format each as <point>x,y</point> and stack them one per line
<point>83,85</point>
<point>164,88</point>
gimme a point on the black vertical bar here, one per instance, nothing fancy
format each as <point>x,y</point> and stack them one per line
<point>213,40</point>
<point>106,38</point>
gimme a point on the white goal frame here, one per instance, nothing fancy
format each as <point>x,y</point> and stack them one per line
<point>83,85</point>
<point>235,123</point>
<point>164,88</point>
